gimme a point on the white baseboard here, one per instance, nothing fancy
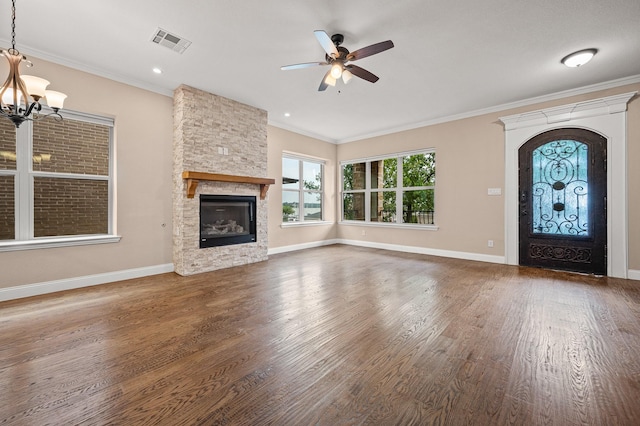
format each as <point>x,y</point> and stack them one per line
<point>393,247</point>
<point>37,289</point>
<point>632,274</point>
<point>284,249</point>
<point>429,251</point>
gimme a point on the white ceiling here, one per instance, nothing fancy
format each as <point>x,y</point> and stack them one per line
<point>450,58</point>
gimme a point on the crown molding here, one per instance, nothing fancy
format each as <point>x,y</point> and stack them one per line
<point>28,51</point>
<point>283,126</point>
<point>502,107</point>
<point>411,126</point>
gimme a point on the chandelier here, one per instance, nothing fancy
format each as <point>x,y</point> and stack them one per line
<point>20,95</point>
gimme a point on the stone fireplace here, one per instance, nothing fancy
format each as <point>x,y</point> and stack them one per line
<point>221,137</point>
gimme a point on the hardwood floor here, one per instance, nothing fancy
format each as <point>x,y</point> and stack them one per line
<point>329,336</point>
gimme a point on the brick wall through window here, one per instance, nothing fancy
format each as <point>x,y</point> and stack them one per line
<point>70,172</point>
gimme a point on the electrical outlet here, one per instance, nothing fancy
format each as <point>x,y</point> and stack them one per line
<point>364,232</point>
<point>490,243</point>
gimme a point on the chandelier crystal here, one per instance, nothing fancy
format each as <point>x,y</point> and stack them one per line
<point>20,95</point>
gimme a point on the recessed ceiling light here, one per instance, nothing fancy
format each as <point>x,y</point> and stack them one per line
<point>286,114</point>
<point>157,70</point>
<point>579,58</point>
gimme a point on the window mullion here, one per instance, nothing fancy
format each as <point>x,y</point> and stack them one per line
<point>24,182</point>
<point>301,190</point>
<point>399,183</point>
<point>341,191</point>
<point>367,192</point>
<point>59,175</point>
<point>112,225</point>
<point>321,191</point>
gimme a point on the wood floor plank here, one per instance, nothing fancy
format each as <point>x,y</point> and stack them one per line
<point>329,336</point>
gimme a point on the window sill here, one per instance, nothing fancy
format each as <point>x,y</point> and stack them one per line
<point>307,223</point>
<point>390,225</point>
<point>51,242</point>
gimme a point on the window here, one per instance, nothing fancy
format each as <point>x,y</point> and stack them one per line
<point>560,188</point>
<point>302,189</point>
<point>55,181</point>
<point>397,189</point>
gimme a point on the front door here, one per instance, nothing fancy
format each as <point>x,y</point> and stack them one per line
<point>562,196</point>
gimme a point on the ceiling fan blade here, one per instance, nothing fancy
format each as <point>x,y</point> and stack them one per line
<point>370,50</point>
<point>362,73</point>
<point>323,83</point>
<point>303,65</point>
<point>326,43</point>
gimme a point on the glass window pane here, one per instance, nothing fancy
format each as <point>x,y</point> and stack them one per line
<point>353,206</point>
<point>383,206</point>
<point>290,173</point>
<point>376,175</point>
<point>560,189</point>
<point>312,176</point>
<point>7,145</point>
<point>7,208</point>
<point>354,176</point>
<point>419,170</point>
<point>69,207</point>
<point>312,206</point>
<point>290,206</point>
<point>383,173</point>
<point>70,146</point>
<point>390,173</point>
<point>417,207</point>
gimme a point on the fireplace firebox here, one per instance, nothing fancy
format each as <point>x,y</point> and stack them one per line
<point>226,220</point>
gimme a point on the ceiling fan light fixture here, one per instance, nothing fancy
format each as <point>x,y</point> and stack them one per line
<point>579,58</point>
<point>336,70</point>
<point>330,80</point>
<point>346,76</point>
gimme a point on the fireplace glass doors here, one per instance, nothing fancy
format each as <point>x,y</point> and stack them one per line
<point>226,220</point>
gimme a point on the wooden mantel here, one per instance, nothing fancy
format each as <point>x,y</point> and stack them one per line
<point>193,178</point>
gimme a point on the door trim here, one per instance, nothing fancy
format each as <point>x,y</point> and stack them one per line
<point>606,116</point>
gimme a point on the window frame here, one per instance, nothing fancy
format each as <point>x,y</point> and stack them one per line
<point>300,158</point>
<point>24,176</point>
<point>399,189</point>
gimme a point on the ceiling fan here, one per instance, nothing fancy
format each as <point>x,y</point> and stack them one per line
<point>338,57</point>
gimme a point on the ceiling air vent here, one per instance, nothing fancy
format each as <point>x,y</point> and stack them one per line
<point>172,41</point>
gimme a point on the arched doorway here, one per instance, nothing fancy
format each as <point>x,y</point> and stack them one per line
<point>562,186</point>
<point>606,116</point>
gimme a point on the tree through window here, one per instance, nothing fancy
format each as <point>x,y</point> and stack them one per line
<point>398,189</point>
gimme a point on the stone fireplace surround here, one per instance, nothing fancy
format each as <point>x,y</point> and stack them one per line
<point>205,127</point>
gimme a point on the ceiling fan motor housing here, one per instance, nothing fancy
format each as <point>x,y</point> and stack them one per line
<point>337,39</point>
<point>342,55</point>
